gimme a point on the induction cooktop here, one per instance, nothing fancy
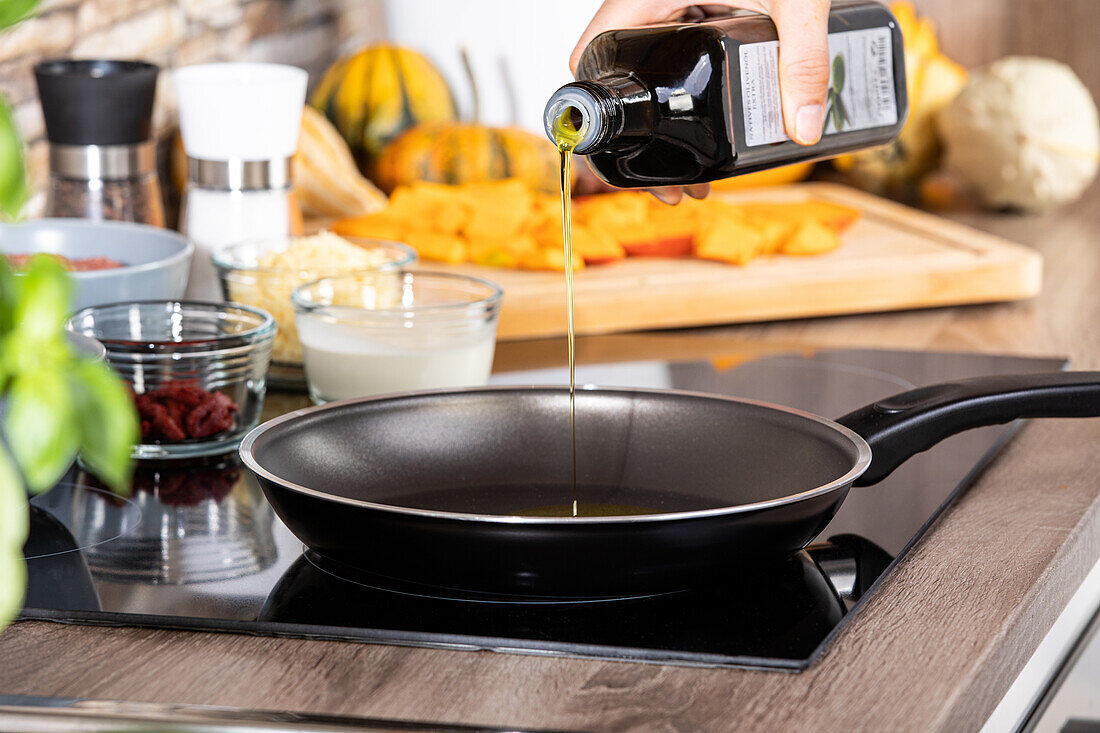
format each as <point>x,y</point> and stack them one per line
<point>196,545</point>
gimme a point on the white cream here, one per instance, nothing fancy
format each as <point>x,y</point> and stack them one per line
<point>345,360</point>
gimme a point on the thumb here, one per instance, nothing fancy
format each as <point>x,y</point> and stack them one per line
<point>803,27</point>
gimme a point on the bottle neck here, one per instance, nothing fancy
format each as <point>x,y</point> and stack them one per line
<point>594,116</point>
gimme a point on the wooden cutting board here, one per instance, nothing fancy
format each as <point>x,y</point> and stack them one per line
<point>893,258</point>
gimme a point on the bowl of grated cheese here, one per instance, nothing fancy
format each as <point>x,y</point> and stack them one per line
<point>263,274</point>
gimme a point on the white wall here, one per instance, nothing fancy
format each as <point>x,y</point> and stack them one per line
<point>533,39</point>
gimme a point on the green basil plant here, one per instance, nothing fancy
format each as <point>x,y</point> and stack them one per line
<point>54,402</point>
<point>13,172</point>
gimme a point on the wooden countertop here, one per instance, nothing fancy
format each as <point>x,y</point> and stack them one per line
<point>934,649</point>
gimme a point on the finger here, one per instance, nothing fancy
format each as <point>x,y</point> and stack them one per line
<point>697,190</point>
<point>803,27</point>
<point>614,14</point>
<point>670,195</point>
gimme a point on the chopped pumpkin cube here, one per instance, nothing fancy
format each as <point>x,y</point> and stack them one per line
<point>588,242</point>
<point>675,246</point>
<point>544,209</point>
<point>729,240</point>
<point>614,212</point>
<point>835,216</point>
<point>382,225</point>
<point>506,224</point>
<point>493,257</point>
<point>438,247</point>
<point>492,215</point>
<point>811,238</point>
<point>429,207</point>
<point>676,222</point>
<point>776,232</point>
<point>549,234</point>
<point>549,258</point>
<point>595,245</point>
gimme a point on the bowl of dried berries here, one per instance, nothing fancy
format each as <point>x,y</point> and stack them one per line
<point>197,371</point>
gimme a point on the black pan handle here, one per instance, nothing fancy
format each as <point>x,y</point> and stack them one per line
<point>901,426</point>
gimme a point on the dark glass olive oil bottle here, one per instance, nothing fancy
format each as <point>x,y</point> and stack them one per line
<point>688,103</point>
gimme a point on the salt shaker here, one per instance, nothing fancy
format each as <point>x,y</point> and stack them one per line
<point>98,117</point>
<point>240,125</point>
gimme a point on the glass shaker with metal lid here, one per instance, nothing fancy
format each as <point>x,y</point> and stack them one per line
<point>239,123</point>
<point>98,117</point>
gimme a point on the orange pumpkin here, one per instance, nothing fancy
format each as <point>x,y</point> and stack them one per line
<point>459,153</point>
<point>374,95</point>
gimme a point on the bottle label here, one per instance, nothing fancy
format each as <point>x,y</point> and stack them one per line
<point>861,86</point>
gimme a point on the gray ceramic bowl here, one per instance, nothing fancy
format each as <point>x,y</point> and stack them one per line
<point>157,260</point>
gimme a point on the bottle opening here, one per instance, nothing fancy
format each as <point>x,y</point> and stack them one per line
<point>568,125</point>
<point>572,119</point>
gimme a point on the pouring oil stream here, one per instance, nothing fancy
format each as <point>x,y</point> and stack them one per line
<point>568,131</point>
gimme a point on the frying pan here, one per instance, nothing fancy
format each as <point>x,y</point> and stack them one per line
<point>456,489</point>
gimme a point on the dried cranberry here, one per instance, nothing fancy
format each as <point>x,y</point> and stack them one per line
<point>179,410</point>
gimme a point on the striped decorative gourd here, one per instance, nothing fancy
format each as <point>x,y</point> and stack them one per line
<point>467,153</point>
<point>378,93</point>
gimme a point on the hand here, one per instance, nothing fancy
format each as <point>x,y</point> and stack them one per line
<point>803,57</point>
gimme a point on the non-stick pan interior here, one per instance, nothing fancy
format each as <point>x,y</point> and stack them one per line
<point>507,452</point>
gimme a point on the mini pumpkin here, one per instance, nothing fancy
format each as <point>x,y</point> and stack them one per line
<point>459,153</point>
<point>376,94</point>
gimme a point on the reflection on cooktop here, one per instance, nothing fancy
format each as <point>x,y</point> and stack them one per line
<point>197,545</point>
<point>194,522</point>
<point>195,531</point>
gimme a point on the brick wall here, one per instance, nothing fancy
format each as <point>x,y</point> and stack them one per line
<point>306,33</point>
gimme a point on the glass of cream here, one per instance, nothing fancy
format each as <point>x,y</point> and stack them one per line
<point>368,333</point>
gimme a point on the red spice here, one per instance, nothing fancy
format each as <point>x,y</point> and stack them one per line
<point>88,264</point>
<point>85,264</point>
<point>181,410</point>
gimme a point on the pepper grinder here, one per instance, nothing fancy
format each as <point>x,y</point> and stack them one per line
<point>240,125</point>
<point>98,117</point>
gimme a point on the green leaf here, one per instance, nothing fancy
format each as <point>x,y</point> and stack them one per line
<point>13,583</point>
<point>13,503</point>
<point>842,111</point>
<point>7,309</point>
<point>41,427</point>
<point>838,74</point>
<point>14,190</point>
<point>108,424</point>
<point>838,121</point>
<point>13,11</point>
<point>14,524</point>
<point>44,302</point>
<point>7,296</point>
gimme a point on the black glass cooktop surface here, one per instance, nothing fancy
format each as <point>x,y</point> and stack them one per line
<point>196,546</point>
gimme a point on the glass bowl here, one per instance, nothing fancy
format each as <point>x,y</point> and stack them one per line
<point>244,280</point>
<point>197,370</point>
<point>436,331</point>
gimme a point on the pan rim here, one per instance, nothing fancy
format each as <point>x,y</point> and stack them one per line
<point>862,462</point>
